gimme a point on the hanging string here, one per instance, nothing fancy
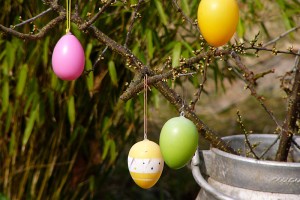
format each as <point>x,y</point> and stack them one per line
<point>68,15</point>
<point>145,105</point>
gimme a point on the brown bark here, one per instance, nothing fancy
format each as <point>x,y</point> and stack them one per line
<point>290,126</point>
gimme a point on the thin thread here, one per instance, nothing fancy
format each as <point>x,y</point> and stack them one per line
<point>68,15</point>
<point>145,105</point>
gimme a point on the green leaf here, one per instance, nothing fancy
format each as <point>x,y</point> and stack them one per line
<point>241,28</point>
<point>10,54</point>
<point>112,72</point>
<point>5,95</point>
<point>90,76</point>
<point>29,125</point>
<point>22,80</point>
<point>71,110</point>
<point>46,51</point>
<point>161,12</point>
<point>107,144</point>
<point>149,43</point>
<point>12,144</point>
<point>92,183</point>
<point>3,197</point>
<point>185,7</point>
<point>88,51</point>
<point>176,54</point>
<point>113,152</point>
<point>9,118</point>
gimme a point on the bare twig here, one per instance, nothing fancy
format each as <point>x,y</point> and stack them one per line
<point>134,16</point>
<point>100,57</point>
<point>96,16</point>
<point>273,50</point>
<point>293,114</point>
<point>242,126</point>
<point>249,78</point>
<point>42,33</point>
<point>185,16</point>
<point>32,19</point>
<point>201,85</point>
<point>269,147</point>
<point>281,36</point>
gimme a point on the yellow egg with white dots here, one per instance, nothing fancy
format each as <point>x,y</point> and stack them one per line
<point>145,163</point>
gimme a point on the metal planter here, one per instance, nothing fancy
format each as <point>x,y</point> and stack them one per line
<point>230,176</point>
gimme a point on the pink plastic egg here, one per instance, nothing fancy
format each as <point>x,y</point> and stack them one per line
<point>68,58</point>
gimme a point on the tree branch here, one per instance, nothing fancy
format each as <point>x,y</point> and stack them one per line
<point>96,16</point>
<point>33,18</point>
<point>293,114</point>
<point>281,36</point>
<point>42,33</point>
<point>250,80</point>
<point>134,16</point>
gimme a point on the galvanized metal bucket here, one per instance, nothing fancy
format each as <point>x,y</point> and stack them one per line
<point>229,176</point>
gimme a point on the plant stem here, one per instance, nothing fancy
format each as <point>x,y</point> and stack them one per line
<point>290,124</point>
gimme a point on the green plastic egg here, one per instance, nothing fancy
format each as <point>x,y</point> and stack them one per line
<point>178,141</point>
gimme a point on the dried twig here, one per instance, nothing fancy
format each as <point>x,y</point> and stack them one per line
<point>96,16</point>
<point>134,16</point>
<point>250,80</point>
<point>281,36</point>
<point>42,32</point>
<point>201,85</point>
<point>242,126</point>
<point>32,19</point>
<point>293,114</point>
<point>273,50</point>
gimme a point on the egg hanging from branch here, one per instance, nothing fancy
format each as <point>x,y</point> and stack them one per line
<point>178,141</point>
<point>68,58</point>
<point>145,163</point>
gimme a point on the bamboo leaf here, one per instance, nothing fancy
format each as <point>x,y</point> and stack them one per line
<point>112,72</point>
<point>90,76</point>
<point>161,12</point>
<point>5,95</point>
<point>107,144</point>
<point>12,144</point>
<point>22,80</point>
<point>29,125</point>
<point>176,54</point>
<point>10,54</point>
<point>88,50</point>
<point>149,43</point>
<point>71,110</point>
<point>46,51</point>
<point>8,118</point>
<point>3,197</point>
<point>241,28</point>
<point>113,152</point>
<point>185,7</point>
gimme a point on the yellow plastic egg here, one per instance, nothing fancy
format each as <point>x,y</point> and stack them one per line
<point>145,163</point>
